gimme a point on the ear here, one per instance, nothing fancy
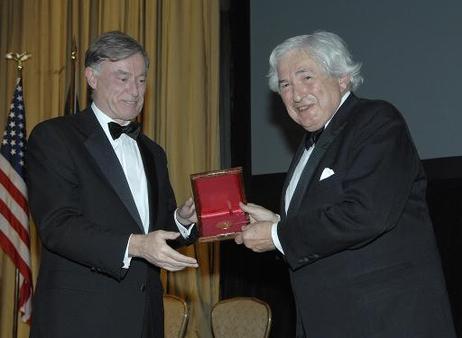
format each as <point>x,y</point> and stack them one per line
<point>92,79</point>
<point>344,82</point>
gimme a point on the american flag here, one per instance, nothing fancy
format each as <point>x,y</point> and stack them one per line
<point>14,214</point>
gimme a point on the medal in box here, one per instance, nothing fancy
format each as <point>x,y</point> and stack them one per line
<point>217,195</point>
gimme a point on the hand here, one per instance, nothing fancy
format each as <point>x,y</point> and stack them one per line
<point>257,213</point>
<point>154,248</point>
<point>256,236</point>
<point>186,214</point>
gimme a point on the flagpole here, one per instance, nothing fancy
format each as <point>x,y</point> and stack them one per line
<point>15,304</point>
<point>72,89</point>
<point>20,59</point>
<point>71,104</point>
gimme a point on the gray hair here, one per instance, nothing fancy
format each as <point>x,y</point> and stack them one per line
<point>113,46</point>
<point>327,49</point>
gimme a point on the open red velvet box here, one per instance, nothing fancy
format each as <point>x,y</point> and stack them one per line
<point>217,195</point>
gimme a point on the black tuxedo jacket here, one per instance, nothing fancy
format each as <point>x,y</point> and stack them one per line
<point>358,239</point>
<point>85,213</point>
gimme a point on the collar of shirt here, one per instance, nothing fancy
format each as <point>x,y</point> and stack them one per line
<point>303,160</point>
<point>129,156</point>
<point>103,120</point>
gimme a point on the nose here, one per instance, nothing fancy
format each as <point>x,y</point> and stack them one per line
<point>133,88</point>
<point>298,93</point>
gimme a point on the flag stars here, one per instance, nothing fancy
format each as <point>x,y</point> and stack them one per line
<point>13,143</point>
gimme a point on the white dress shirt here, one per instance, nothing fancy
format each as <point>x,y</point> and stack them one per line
<point>296,178</point>
<point>129,156</point>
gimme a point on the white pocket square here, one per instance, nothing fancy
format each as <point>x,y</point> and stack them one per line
<point>327,172</point>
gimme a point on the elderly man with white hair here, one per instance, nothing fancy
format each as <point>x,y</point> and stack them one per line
<point>354,226</point>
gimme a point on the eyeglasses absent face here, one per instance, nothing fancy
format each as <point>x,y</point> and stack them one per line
<point>309,93</point>
<point>119,87</point>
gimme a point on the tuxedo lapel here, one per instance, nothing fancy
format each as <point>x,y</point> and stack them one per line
<point>334,128</point>
<point>290,172</point>
<point>102,152</point>
<point>151,177</point>
<point>318,153</point>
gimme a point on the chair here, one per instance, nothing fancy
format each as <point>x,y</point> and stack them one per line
<point>175,316</point>
<point>241,317</point>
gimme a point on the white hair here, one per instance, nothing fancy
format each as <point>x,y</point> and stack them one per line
<point>327,49</point>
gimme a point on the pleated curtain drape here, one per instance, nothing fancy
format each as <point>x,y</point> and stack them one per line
<point>181,38</point>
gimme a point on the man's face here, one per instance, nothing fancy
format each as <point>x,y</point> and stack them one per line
<point>118,87</point>
<point>310,95</point>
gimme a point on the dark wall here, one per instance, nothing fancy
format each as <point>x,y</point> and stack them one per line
<point>409,54</point>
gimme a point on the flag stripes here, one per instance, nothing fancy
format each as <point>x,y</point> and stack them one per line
<point>14,214</point>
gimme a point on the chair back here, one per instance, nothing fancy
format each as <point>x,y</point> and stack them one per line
<point>241,317</point>
<point>175,316</point>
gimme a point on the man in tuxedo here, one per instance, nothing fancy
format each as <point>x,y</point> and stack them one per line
<point>354,227</point>
<point>106,214</point>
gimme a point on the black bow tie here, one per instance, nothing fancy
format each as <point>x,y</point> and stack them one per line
<point>312,138</point>
<point>132,129</point>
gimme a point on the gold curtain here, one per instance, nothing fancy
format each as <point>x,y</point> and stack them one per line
<point>180,113</point>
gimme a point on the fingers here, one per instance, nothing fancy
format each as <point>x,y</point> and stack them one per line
<point>249,206</point>
<point>168,235</point>
<point>189,203</point>
<point>238,239</point>
<point>252,208</point>
<point>187,211</point>
<point>159,253</point>
<point>172,260</point>
<point>256,237</point>
<point>245,207</point>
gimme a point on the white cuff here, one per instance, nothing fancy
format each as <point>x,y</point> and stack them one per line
<point>274,235</point>
<point>185,232</point>
<point>127,259</point>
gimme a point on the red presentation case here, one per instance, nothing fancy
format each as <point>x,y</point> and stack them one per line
<point>217,195</point>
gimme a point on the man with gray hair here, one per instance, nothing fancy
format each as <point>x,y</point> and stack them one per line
<point>106,214</point>
<point>353,227</point>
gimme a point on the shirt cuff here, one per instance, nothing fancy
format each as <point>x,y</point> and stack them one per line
<point>274,235</point>
<point>127,259</point>
<point>185,232</point>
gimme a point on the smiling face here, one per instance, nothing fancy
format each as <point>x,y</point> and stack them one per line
<point>119,87</point>
<point>310,95</point>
